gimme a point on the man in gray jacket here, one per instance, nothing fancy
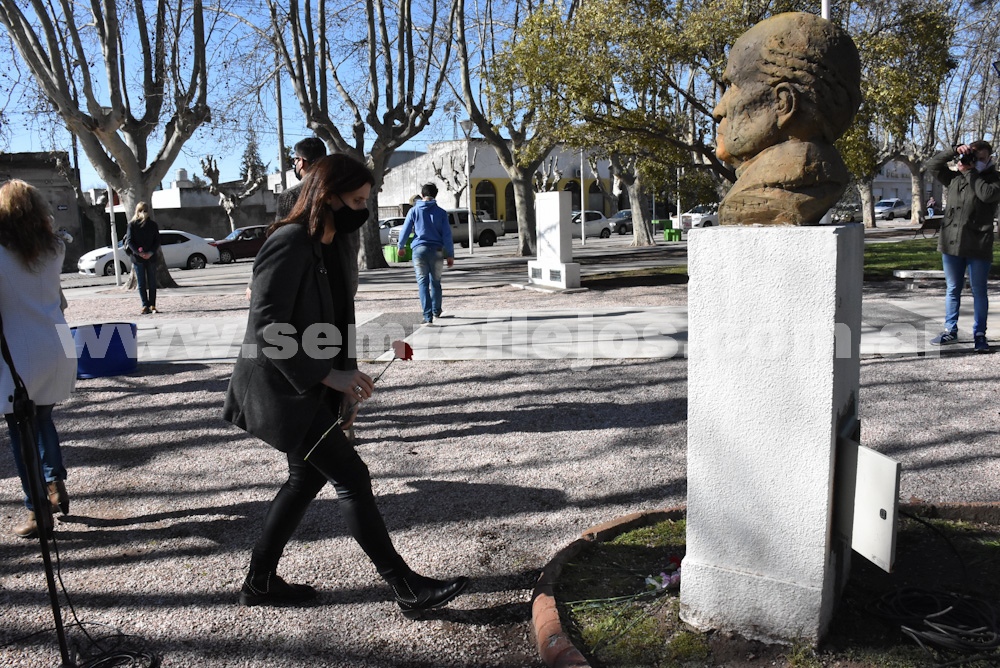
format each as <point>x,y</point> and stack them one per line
<point>966,241</point>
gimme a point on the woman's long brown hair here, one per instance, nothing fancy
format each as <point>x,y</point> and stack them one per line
<point>334,174</point>
<point>25,226</point>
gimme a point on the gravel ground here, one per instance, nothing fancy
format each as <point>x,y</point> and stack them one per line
<point>483,468</point>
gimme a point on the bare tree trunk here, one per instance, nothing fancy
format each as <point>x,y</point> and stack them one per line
<point>626,167</point>
<point>917,207</point>
<point>365,244</point>
<point>641,229</point>
<point>99,220</point>
<point>524,203</point>
<point>867,202</point>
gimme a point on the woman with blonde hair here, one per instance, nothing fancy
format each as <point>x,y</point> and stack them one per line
<point>31,258</point>
<point>143,241</point>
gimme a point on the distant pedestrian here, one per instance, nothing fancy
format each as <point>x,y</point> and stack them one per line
<point>143,241</point>
<point>297,387</point>
<point>966,241</point>
<point>307,152</point>
<point>31,257</point>
<point>931,203</point>
<point>431,248</point>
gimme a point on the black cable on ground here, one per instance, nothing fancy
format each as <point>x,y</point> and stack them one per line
<point>941,534</point>
<point>953,629</point>
<point>106,657</point>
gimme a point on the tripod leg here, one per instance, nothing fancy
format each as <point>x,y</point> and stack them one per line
<point>24,413</point>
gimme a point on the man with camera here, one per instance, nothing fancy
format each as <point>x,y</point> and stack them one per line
<point>966,241</point>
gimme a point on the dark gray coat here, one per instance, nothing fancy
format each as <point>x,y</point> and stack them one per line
<point>275,392</point>
<point>967,229</point>
<point>348,245</point>
<point>286,200</point>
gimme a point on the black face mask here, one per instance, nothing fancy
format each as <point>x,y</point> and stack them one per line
<point>348,220</point>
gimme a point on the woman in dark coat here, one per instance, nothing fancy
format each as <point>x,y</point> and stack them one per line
<point>297,387</point>
<point>143,237</point>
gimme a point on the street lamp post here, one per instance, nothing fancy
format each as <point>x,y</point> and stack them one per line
<point>467,129</point>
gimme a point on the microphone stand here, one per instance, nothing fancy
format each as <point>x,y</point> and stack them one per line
<point>25,420</point>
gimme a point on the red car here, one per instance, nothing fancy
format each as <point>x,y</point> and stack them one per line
<point>241,243</point>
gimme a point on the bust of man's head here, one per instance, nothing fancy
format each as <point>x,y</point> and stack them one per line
<point>793,88</point>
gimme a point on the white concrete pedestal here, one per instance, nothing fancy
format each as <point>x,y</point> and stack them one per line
<point>774,329</point>
<point>553,267</point>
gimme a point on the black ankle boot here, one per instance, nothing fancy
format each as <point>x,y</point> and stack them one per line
<point>416,594</point>
<point>269,589</point>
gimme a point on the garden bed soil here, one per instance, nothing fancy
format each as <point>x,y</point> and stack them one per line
<point>613,617</point>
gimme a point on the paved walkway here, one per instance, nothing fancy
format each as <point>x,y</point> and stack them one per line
<point>900,325</point>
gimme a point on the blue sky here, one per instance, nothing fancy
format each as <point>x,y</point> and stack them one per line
<point>228,157</point>
<point>244,87</point>
<point>227,152</point>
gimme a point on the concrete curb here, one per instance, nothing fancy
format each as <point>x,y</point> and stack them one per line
<point>553,643</point>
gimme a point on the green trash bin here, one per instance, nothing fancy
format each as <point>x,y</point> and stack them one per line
<point>671,235</point>
<point>391,253</point>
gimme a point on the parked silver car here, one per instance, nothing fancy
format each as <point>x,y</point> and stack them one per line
<point>887,209</point>
<point>621,222</point>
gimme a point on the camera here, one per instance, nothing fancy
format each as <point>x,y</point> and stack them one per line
<point>967,158</point>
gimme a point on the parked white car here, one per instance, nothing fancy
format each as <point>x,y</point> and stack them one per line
<point>181,250</point>
<point>597,225</point>
<point>703,215</point>
<point>887,209</point>
<point>385,226</point>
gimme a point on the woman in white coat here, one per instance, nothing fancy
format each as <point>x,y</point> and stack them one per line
<point>31,258</point>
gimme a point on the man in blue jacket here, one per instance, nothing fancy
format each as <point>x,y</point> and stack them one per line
<point>431,247</point>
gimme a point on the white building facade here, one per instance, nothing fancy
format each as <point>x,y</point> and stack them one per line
<point>444,165</point>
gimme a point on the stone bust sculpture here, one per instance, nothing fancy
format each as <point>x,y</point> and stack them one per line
<point>794,85</point>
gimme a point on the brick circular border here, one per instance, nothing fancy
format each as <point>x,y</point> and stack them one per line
<point>551,640</point>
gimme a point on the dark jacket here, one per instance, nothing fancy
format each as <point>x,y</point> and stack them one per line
<point>286,200</point>
<point>273,396</point>
<point>967,229</point>
<point>347,245</point>
<point>144,235</point>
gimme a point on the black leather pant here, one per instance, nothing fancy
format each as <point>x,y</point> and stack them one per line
<point>336,461</point>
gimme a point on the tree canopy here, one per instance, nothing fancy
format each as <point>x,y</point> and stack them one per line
<point>119,77</point>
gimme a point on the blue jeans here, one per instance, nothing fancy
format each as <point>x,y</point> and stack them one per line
<point>48,450</point>
<point>954,275</point>
<point>145,276</point>
<point>428,262</point>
